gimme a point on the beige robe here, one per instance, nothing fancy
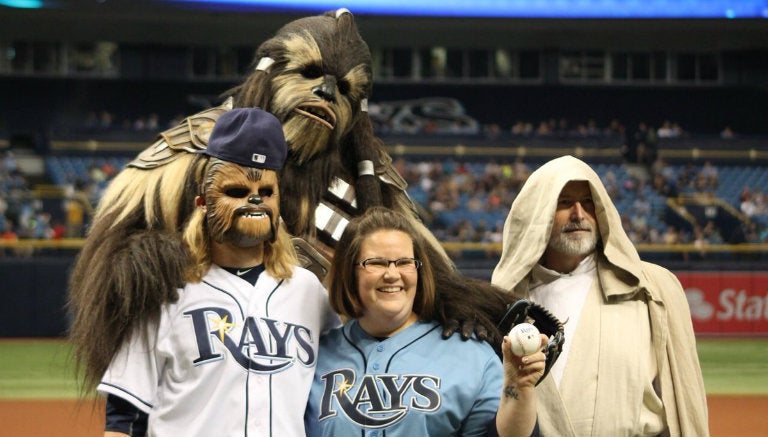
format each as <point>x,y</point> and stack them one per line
<point>635,328</point>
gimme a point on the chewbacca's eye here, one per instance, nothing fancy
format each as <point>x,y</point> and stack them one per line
<point>312,71</point>
<point>343,87</point>
<point>237,192</point>
<point>266,192</point>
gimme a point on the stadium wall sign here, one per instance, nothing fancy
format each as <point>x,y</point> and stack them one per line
<point>727,303</point>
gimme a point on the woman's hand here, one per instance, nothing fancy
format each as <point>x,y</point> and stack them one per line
<point>523,372</point>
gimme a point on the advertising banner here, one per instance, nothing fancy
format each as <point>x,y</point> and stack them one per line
<point>727,303</point>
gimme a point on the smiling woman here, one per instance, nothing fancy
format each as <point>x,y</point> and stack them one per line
<point>389,368</point>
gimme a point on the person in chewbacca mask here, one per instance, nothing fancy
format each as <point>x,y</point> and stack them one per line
<point>235,354</point>
<point>314,75</point>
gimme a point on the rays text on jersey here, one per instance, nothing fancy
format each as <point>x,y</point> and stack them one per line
<point>264,345</point>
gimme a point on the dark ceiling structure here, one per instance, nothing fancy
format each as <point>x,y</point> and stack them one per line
<point>144,21</point>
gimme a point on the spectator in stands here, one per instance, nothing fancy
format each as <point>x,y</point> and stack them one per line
<point>520,172</point>
<point>641,146</point>
<point>638,233</point>
<point>592,129</point>
<point>686,177</point>
<point>545,128</point>
<point>139,124</point>
<point>153,122</point>
<point>654,236</point>
<point>727,133</point>
<point>661,167</point>
<point>465,232</point>
<point>629,364</point>
<point>747,205</point>
<point>106,119</point>
<point>58,229</point>
<point>614,129</point>
<point>671,236</point>
<point>40,226</point>
<point>752,234</point>
<point>711,233</point>
<point>641,206</point>
<point>496,234</point>
<point>492,131</point>
<point>494,199</point>
<point>7,232</point>
<point>475,203</point>
<point>710,175</point>
<point>76,205</point>
<point>612,185</point>
<point>669,130</point>
<point>761,202</point>
<point>175,120</point>
<point>745,193</point>
<point>3,205</point>
<point>9,163</point>
<point>664,186</point>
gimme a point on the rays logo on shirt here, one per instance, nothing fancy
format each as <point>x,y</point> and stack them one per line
<point>265,345</point>
<point>377,401</point>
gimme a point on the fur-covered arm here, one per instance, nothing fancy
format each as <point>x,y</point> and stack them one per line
<point>468,304</point>
<point>120,280</point>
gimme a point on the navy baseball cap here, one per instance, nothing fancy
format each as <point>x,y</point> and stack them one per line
<point>250,137</point>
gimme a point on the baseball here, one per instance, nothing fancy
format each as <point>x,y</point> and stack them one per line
<point>525,339</point>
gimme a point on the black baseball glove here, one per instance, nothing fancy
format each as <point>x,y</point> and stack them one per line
<point>524,311</point>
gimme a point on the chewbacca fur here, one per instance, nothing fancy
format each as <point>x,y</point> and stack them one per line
<point>135,272</point>
<point>134,258</point>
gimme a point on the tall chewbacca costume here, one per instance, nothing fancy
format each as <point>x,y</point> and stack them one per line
<point>315,76</point>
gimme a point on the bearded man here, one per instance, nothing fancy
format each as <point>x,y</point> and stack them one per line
<point>235,354</point>
<point>629,365</point>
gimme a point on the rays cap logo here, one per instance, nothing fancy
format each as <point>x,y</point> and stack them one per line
<point>250,137</point>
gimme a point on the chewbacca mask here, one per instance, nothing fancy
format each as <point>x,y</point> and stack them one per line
<point>240,192</point>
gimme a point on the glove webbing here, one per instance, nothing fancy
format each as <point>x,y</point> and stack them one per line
<point>525,311</point>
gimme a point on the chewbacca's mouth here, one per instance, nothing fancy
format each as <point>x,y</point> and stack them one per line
<point>319,112</point>
<point>251,213</point>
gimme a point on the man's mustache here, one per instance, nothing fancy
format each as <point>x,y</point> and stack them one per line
<point>243,210</point>
<point>581,226</point>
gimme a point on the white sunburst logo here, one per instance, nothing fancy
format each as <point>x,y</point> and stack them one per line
<point>700,308</point>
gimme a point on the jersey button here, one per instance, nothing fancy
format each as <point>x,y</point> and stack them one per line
<point>375,366</point>
<point>379,348</point>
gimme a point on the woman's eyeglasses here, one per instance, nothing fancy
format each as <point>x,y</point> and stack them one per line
<point>379,265</point>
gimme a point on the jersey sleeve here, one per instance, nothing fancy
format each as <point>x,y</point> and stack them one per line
<point>133,373</point>
<point>122,416</point>
<point>486,403</point>
<point>329,319</point>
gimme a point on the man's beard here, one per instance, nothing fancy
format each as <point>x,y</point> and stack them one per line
<point>574,244</point>
<point>242,238</point>
<point>242,233</point>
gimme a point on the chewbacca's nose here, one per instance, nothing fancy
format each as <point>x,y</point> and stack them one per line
<point>327,89</point>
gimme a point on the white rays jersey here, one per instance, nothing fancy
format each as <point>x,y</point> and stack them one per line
<point>413,384</point>
<point>228,359</point>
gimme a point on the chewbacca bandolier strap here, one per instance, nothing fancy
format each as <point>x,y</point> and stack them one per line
<point>188,136</point>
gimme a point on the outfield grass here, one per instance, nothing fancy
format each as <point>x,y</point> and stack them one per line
<point>42,368</point>
<point>36,369</point>
<point>734,366</point>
